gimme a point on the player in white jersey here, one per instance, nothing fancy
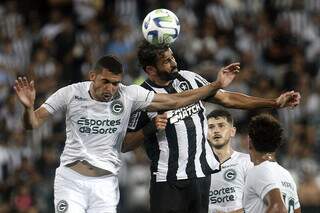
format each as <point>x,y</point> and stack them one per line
<point>97,114</point>
<point>269,187</point>
<point>226,187</point>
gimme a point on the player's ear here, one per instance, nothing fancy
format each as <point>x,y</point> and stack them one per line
<point>92,75</point>
<point>150,70</point>
<point>233,131</point>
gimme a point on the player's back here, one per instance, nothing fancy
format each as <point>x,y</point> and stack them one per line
<point>263,178</point>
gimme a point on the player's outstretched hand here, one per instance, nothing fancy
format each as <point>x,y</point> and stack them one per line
<point>289,99</point>
<point>227,74</point>
<point>25,91</point>
<point>160,121</point>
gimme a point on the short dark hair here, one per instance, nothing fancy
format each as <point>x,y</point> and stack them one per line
<point>148,53</point>
<point>221,113</point>
<point>265,133</point>
<point>110,62</point>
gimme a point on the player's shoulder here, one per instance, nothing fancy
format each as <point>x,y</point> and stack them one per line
<point>283,171</point>
<point>241,157</point>
<point>84,85</point>
<point>265,169</point>
<point>187,73</point>
<point>74,88</point>
<point>129,88</point>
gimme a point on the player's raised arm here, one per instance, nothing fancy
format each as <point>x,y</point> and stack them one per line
<point>242,101</point>
<point>177,100</point>
<point>26,94</point>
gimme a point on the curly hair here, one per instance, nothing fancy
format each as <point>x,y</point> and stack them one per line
<point>265,133</point>
<point>148,53</point>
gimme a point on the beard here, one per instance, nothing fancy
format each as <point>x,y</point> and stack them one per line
<point>168,76</point>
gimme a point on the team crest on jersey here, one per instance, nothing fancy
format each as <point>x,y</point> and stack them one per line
<point>62,206</point>
<point>230,175</point>
<point>117,107</point>
<point>183,85</point>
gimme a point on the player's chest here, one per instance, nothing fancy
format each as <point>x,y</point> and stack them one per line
<point>230,174</point>
<point>97,110</point>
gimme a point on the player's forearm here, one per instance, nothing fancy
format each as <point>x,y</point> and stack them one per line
<point>242,101</point>
<point>30,120</point>
<point>133,140</point>
<point>178,100</point>
<point>276,208</point>
<point>192,96</point>
<point>237,211</point>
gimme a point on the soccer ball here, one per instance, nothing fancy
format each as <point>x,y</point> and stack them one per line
<point>161,26</point>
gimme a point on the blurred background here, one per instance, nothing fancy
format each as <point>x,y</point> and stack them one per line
<point>55,42</point>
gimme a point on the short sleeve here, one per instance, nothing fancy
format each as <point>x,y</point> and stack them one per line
<point>57,101</point>
<point>200,80</point>
<point>141,97</point>
<point>196,77</point>
<point>296,197</point>
<point>138,120</point>
<point>263,182</point>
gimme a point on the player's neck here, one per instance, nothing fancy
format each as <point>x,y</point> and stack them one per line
<point>159,82</point>
<point>223,153</point>
<point>262,157</point>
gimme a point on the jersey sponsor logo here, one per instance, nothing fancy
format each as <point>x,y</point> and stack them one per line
<point>134,118</point>
<point>177,115</point>
<point>183,85</point>
<point>222,195</point>
<point>117,107</point>
<point>230,175</point>
<point>62,206</point>
<point>287,185</point>
<point>96,126</point>
<point>79,98</point>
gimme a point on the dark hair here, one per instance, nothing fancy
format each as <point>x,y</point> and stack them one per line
<point>109,62</point>
<point>221,113</point>
<point>265,133</point>
<point>148,53</point>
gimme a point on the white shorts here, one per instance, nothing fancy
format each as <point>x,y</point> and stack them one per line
<point>75,193</point>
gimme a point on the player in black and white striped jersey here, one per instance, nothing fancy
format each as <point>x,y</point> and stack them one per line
<point>181,159</point>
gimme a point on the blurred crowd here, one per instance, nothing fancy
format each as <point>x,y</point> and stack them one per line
<point>55,43</point>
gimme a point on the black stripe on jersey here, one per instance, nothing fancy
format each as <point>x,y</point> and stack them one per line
<point>203,160</point>
<point>147,86</point>
<point>200,84</point>
<point>172,139</point>
<point>50,106</point>
<point>192,139</point>
<point>153,151</point>
<point>203,82</point>
<point>151,143</point>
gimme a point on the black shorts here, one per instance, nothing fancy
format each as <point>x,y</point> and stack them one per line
<point>182,196</point>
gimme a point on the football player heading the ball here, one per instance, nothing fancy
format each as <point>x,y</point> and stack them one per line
<point>97,112</point>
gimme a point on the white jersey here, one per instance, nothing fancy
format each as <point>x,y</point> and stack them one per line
<point>263,178</point>
<point>95,130</point>
<point>226,188</point>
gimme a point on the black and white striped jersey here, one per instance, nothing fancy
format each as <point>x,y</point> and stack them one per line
<point>181,151</point>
